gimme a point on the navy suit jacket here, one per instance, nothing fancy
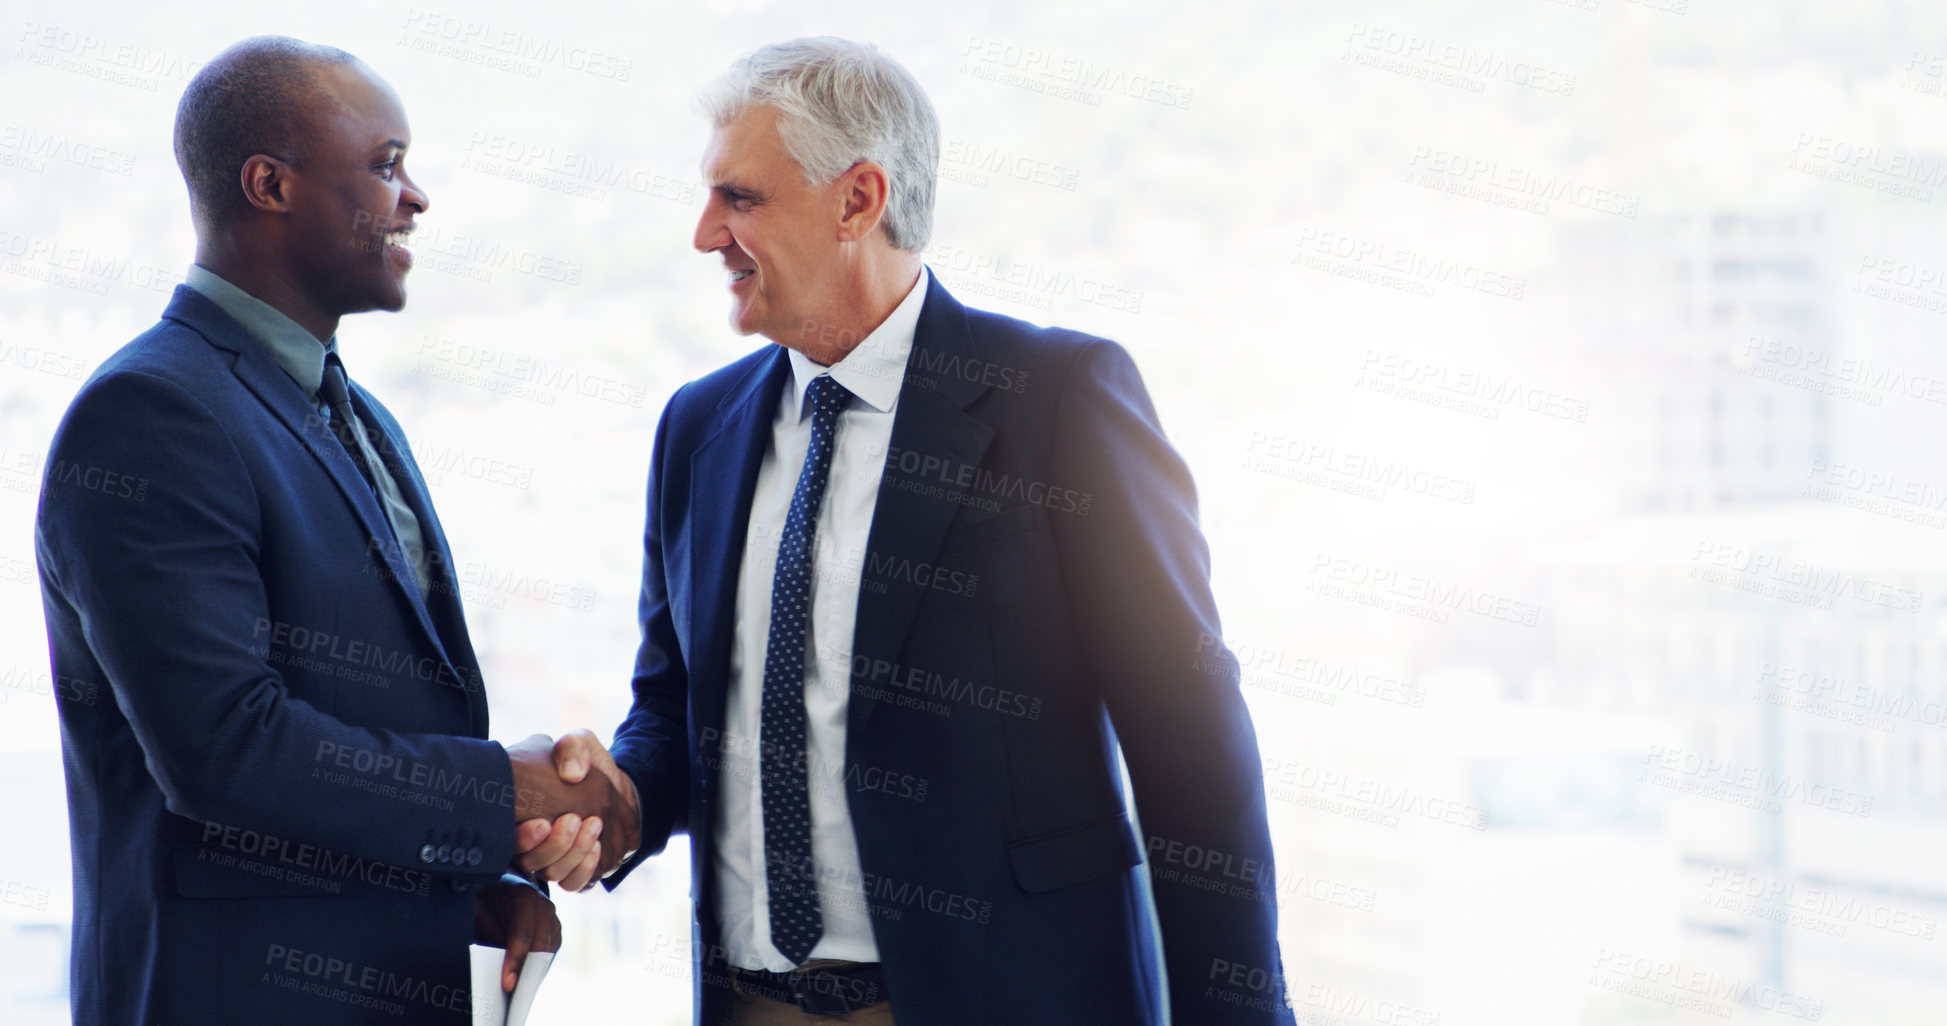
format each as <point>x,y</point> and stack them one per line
<point>1035,591</point>
<point>280,795</point>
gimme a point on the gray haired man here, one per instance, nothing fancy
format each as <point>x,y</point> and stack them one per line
<point>912,574</point>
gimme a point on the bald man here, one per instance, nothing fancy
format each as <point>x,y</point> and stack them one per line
<point>287,811</point>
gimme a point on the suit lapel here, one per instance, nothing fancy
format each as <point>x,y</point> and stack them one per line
<point>723,477</point>
<point>907,523</point>
<point>443,604</point>
<point>287,404</point>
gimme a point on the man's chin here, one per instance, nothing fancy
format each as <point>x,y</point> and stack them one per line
<point>743,323</point>
<point>390,299</point>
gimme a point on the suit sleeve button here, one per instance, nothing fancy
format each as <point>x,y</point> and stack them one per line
<point>426,854</point>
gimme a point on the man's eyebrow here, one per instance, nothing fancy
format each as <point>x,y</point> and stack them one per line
<point>390,144</point>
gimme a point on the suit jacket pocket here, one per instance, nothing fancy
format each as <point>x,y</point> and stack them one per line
<point>994,527</point>
<point>1049,861</point>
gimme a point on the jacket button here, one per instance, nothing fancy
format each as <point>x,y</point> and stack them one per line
<point>426,854</point>
<point>445,853</point>
<point>458,885</point>
<point>473,856</point>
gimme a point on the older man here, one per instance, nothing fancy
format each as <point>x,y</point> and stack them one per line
<point>913,573</point>
<point>282,802</point>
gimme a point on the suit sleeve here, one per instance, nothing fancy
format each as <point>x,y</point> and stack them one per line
<point>165,579</point>
<point>1138,579</point>
<point>652,743</point>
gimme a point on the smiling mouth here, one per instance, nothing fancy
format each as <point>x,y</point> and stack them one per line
<point>737,276</point>
<point>395,240</point>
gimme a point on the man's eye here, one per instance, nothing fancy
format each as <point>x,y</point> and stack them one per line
<point>385,169</point>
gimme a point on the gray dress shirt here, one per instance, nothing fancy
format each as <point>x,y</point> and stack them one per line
<point>303,357</point>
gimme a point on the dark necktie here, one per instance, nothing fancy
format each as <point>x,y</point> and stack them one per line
<point>796,922</point>
<point>337,395</point>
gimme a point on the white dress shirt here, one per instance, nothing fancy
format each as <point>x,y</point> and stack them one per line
<point>872,372</point>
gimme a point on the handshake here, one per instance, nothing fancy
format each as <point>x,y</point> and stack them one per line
<point>576,813</point>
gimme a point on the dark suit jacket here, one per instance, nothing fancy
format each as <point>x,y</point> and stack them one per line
<point>1035,591</point>
<point>280,796</point>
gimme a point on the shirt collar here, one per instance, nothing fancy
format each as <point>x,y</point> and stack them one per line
<point>875,368</point>
<point>296,350</point>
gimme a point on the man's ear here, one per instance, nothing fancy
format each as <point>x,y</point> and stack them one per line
<point>266,183</point>
<point>863,191</point>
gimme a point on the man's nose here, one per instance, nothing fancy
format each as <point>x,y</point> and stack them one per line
<point>711,231</point>
<point>415,197</point>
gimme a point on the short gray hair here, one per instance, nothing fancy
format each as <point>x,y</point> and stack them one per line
<point>838,103</point>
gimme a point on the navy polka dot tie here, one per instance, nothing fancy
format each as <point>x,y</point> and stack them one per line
<point>796,923</point>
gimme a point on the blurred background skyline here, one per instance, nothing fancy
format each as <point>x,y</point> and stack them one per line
<point>1558,377</point>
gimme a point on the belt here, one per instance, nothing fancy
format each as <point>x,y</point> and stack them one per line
<point>818,988</point>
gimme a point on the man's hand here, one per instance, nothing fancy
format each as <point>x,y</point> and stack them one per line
<point>542,792</point>
<point>517,917</point>
<point>576,851</point>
